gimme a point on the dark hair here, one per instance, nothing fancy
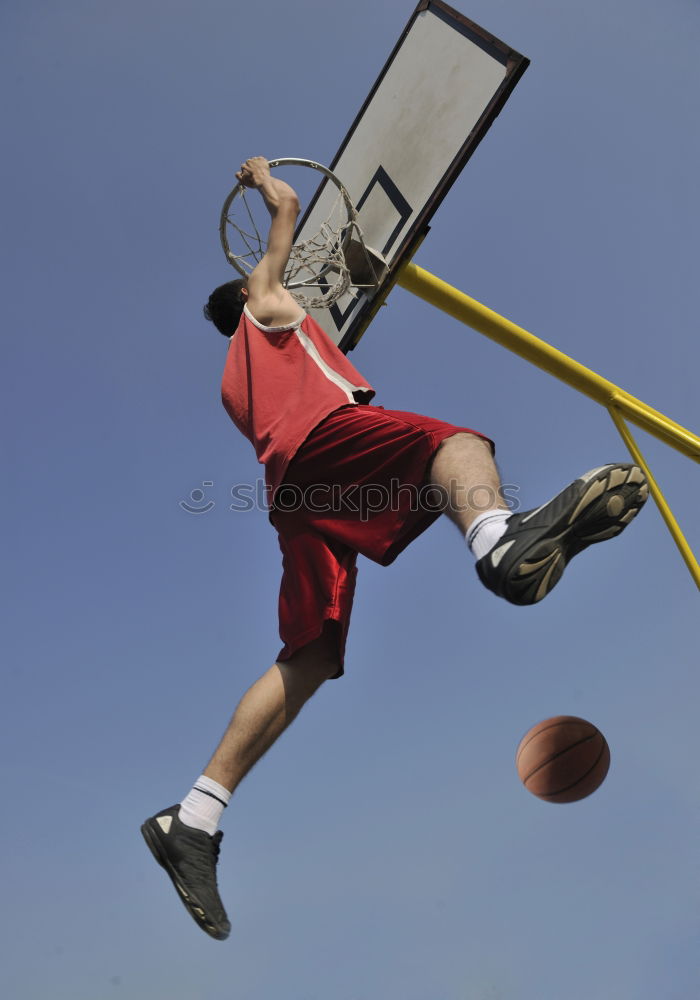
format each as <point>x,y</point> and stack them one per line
<point>225,306</point>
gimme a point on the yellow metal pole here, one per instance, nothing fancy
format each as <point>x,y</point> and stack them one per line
<point>666,513</point>
<point>450,300</point>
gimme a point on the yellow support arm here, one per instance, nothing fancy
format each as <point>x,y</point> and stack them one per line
<point>617,401</point>
<point>543,355</point>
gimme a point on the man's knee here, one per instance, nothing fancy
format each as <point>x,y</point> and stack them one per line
<point>319,659</point>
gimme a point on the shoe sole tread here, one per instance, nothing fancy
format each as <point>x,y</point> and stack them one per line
<point>530,575</point>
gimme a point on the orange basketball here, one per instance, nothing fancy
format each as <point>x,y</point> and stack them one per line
<point>562,759</point>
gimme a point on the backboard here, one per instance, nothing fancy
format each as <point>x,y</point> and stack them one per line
<point>439,93</point>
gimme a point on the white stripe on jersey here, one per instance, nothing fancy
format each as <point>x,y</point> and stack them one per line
<point>307,343</point>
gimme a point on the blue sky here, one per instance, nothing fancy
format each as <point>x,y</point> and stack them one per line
<point>384,848</point>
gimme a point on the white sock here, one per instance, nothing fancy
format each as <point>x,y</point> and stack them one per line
<point>203,805</point>
<point>485,531</point>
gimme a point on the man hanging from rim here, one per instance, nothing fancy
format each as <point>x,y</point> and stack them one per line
<point>345,477</point>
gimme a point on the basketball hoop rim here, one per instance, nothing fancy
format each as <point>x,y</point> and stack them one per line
<point>287,161</point>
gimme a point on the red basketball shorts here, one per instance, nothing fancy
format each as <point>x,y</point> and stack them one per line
<point>359,483</point>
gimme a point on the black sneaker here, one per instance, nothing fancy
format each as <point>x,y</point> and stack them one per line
<point>529,559</point>
<point>189,857</point>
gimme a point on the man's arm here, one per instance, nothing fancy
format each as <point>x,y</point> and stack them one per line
<point>268,300</point>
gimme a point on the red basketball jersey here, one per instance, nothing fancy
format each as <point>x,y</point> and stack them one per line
<point>280,382</point>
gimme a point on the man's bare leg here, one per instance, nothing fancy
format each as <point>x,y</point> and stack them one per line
<point>464,468</point>
<point>270,705</point>
<point>188,854</point>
